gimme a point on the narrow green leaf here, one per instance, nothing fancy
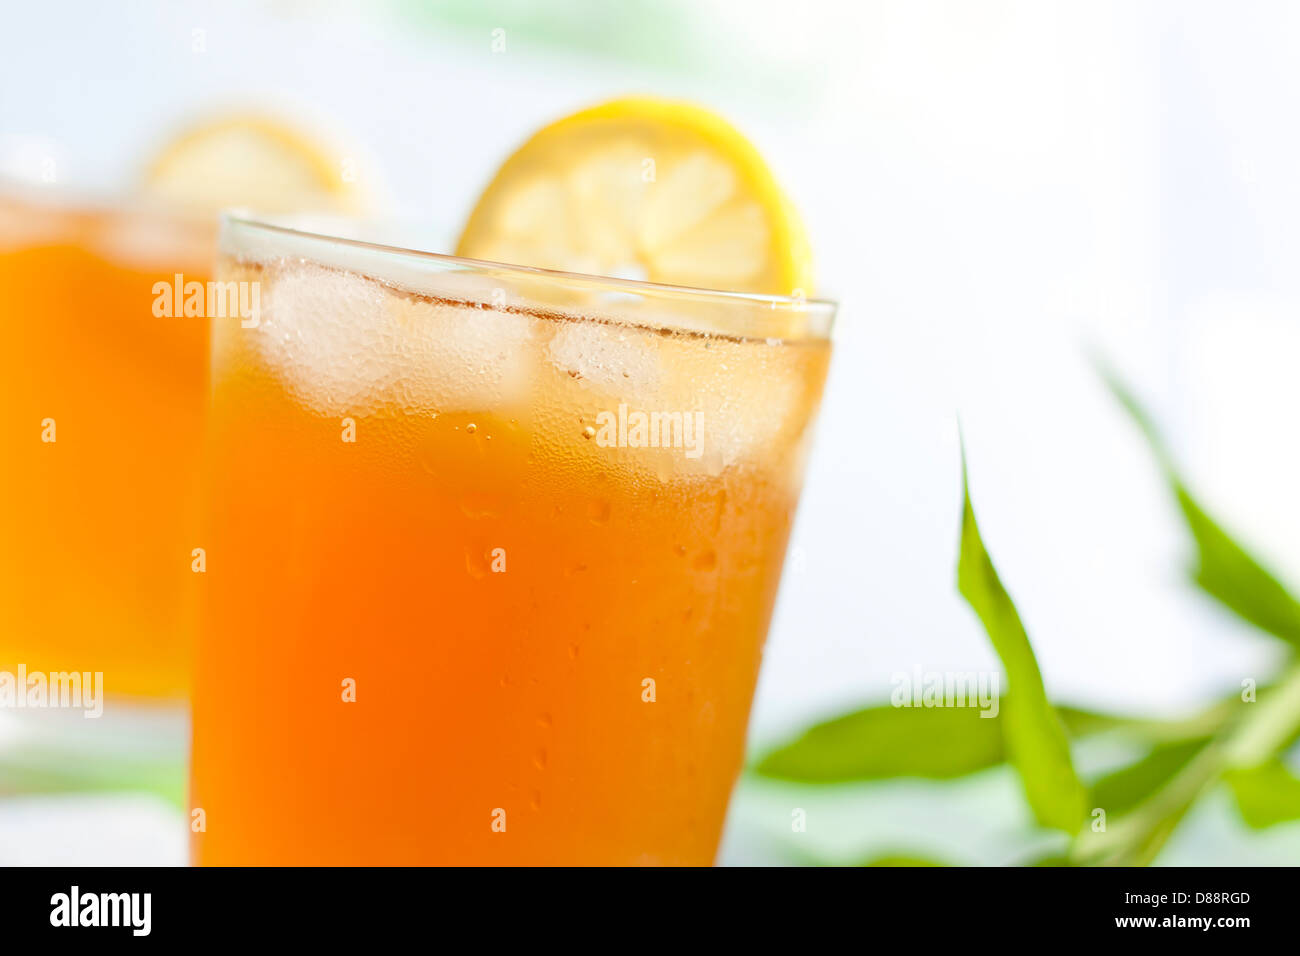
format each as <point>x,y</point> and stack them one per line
<point>1223,569</point>
<point>1034,734</point>
<point>880,742</point>
<point>1120,791</point>
<point>938,743</point>
<point>1267,794</point>
<point>1082,723</point>
<point>1085,723</point>
<point>1230,575</point>
<point>1136,837</point>
<point>1253,735</point>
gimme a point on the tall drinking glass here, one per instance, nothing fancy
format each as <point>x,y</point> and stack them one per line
<point>492,553</point>
<point>103,394</point>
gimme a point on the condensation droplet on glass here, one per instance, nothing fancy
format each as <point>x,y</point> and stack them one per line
<point>477,563</point>
<point>598,510</point>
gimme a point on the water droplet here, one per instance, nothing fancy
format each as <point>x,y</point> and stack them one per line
<point>680,550</point>
<point>706,560</point>
<point>479,505</point>
<point>573,652</point>
<point>544,720</point>
<point>720,510</point>
<point>598,510</point>
<point>589,433</point>
<point>536,801</point>
<point>539,758</point>
<point>478,562</point>
<point>471,428</point>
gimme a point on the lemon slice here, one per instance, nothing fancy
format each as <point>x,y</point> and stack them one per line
<point>644,188</point>
<point>252,161</point>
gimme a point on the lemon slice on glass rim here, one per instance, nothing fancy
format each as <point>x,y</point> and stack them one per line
<point>647,189</point>
<point>257,162</point>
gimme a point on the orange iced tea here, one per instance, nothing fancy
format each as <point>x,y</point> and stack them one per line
<point>491,557</point>
<point>101,437</point>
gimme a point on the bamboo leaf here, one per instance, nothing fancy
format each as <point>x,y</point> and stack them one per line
<point>881,742</point>
<point>937,743</point>
<point>1222,568</point>
<point>1267,794</point>
<point>1120,791</point>
<point>1034,734</point>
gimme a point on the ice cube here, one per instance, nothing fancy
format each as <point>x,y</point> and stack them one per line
<point>613,358</point>
<point>345,344</point>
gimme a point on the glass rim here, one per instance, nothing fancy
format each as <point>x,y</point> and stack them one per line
<point>97,200</point>
<point>293,227</point>
<point>78,197</point>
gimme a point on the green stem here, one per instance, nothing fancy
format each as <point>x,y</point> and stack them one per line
<point>1247,742</point>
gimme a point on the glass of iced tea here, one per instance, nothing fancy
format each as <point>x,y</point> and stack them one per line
<point>103,395</point>
<point>492,553</point>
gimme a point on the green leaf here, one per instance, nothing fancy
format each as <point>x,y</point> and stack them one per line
<point>1034,734</point>
<point>1137,836</point>
<point>27,773</point>
<point>1227,573</point>
<point>1223,569</point>
<point>1267,794</point>
<point>1082,723</point>
<point>1120,791</point>
<point>1251,737</point>
<point>937,743</point>
<point>880,742</point>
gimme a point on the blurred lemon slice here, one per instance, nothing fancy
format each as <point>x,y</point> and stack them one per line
<point>252,161</point>
<point>644,188</point>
